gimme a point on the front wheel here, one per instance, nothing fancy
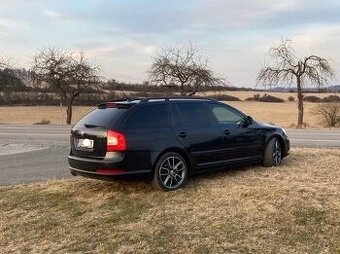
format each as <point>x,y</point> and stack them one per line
<point>72,173</point>
<point>272,153</point>
<point>171,172</point>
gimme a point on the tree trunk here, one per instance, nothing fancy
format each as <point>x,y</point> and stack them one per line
<point>300,103</point>
<point>69,113</point>
<point>182,90</point>
<point>194,91</point>
<point>69,107</point>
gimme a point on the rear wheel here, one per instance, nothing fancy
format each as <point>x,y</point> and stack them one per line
<point>272,153</point>
<point>171,172</point>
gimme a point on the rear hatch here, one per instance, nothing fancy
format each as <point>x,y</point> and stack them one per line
<point>89,135</point>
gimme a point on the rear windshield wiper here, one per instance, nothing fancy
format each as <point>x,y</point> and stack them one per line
<point>91,125</point>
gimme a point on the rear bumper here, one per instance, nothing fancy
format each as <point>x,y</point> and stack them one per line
<point>104,168</point>
<point>107,176</point>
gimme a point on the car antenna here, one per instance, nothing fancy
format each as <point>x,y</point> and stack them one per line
<point>126,97</point>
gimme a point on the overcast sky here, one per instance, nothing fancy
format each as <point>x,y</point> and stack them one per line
<point>122,36</point>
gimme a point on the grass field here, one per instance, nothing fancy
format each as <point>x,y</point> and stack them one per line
<point>32,115</point>
<point>283,114</point>
<point>291,209</point>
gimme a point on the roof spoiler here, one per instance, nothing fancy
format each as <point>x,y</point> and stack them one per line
<point>114,104</point>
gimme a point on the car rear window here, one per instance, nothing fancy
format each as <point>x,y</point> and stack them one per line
<point>102,117</point>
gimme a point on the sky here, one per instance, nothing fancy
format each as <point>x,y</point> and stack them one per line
<point>123,36</point>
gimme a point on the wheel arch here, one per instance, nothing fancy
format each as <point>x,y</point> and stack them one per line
<point>281,140</point>
<point>178,150</point>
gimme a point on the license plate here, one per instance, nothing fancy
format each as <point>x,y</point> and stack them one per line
<point>84,143</point>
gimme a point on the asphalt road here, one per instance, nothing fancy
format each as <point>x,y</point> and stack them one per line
<point>35,153</point>
<point>321,138</point>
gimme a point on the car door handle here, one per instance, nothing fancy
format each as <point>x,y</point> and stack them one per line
<point>226,132</point>
<point>182,134</point>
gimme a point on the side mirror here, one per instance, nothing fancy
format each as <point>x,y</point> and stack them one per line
<point>250,120</point>
<point>245,122</point>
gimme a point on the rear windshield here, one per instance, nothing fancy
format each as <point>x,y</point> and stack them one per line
<point>102,117</point>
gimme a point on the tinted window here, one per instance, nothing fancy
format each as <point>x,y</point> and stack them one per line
<point>192,114</point>
<point>102,117</point>
<point>153,116</point>
<point>225,115</point>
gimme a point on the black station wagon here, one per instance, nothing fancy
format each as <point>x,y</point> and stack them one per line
<point>170,139</point>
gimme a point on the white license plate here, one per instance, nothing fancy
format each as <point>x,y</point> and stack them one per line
<point>84,143</point>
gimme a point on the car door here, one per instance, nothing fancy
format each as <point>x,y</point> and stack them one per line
<point>147,130</point>
<point>195,129</point>
<point>240,141</point>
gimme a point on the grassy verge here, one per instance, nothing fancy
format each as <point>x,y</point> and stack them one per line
<point>291,209</point>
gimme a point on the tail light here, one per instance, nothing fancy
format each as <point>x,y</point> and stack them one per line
<point>110,172</point>
<point>115,141</point>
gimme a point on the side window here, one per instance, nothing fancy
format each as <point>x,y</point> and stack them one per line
<point>148,117</point>
<point>192,114</point>
<point>225,115</point>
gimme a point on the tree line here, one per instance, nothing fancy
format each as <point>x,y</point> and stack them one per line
<point>180,70</point>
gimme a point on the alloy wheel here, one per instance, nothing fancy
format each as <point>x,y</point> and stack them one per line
<point>172,172</point>
<point>277,153</point>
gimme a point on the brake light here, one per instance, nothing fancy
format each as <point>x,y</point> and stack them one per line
<point>115,141</point>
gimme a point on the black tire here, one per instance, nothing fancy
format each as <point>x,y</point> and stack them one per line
<point>170,172</point>
<point>272,153</point>
<point>72,173</point>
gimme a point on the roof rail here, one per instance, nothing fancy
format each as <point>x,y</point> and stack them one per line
<point>120,102</point>
<point>177,98</point>
<point>143,100</point>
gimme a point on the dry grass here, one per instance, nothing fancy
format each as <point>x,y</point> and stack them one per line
<point>291,209</point>
<point>35,114</point>
<point>283,114</point>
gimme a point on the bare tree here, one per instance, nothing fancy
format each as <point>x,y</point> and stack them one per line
<point>330,112</point>
<point>10,79</point>
<point>3,64</point>
<point>68,75</point>
<point>182,67</point>
<point>287,68</point>
<point>83,77</point>
<point>4,77</point>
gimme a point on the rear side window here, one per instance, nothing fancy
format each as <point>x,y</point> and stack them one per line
<point>102,117</point>
<point>148,117</point>
<point>192,114</point>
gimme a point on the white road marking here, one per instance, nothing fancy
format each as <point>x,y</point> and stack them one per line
<point>33,134</point>
<point>18,148</point>
<point>315,140</point>
<point>316,134</point>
